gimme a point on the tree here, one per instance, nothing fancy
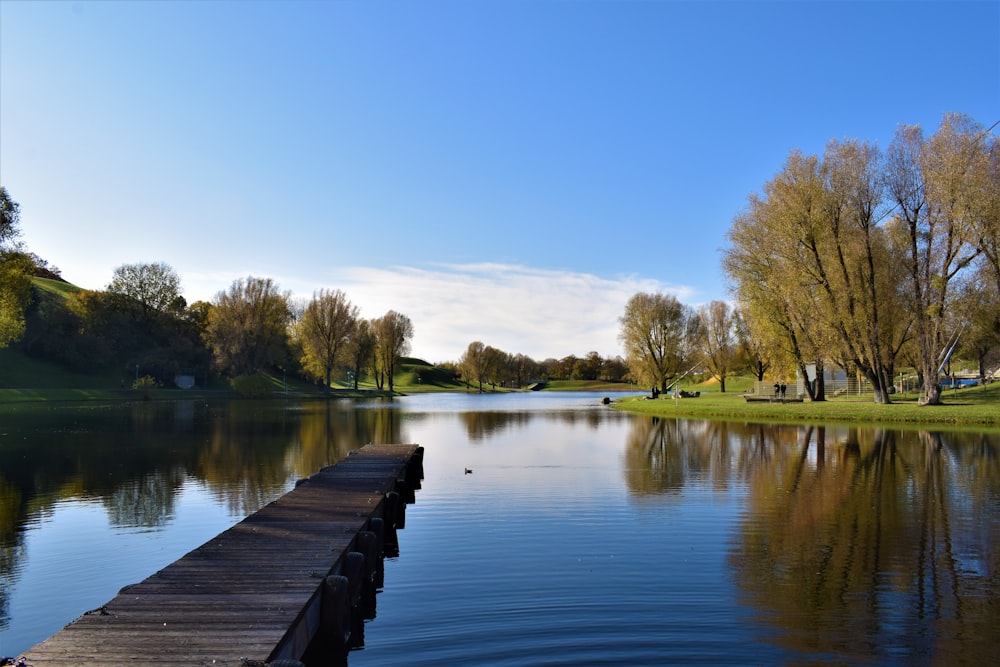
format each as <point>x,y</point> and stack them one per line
<point>15,295</point>
<point>324,330</point>
<point>589,368</point>
<point>933,186</point>
<point>615,369</point>
<point>752,350</point>
<point>524,367</point>
<point>10,217</point>
<point>361,349</point>
<point>392,333</point>
<point>811,255</point>
<point>718,326</point>
<point>15,272</point>
<point>498,366</point>
<point>656,332</point>
<point>985,218</point>
<point>474,363</point>
<point>759,272</point>
<point>978,314</point>
<point>563,368</point>
<point>148,289</point>
<point>248,326</point>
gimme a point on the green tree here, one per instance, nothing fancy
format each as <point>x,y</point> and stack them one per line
<point>15,272</point>
<point>499,366</point>
<point>590,367</point>
<point>524,368</point>
<point>656,331</point>
<point>361,349</point>
<point>10,218</point>
<point>324,331</point>
<point>15,295</point>
<point>474,363</point>
<point>393,333</point>
<point>148,289</point>
<point>248,326</point>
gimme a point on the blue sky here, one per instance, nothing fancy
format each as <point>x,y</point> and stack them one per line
<point>510,172</point>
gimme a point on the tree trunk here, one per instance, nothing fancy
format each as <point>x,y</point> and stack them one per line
<point>879,386</point>
<point>810,390</point>
<point>932,390</point>
<point>820,391</point>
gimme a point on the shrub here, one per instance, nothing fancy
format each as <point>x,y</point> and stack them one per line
<point>257,385</point>
<point>145,383</point>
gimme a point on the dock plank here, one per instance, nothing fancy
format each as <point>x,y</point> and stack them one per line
<point>249,592</point>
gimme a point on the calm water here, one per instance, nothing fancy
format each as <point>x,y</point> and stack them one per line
<point>582,537</point>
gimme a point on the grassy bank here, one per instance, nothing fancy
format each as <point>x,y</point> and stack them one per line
<point>24,379</point>
<point>975,406</point>
<point>27,380</point>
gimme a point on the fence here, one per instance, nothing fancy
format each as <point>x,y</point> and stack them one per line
<point>853,386</point>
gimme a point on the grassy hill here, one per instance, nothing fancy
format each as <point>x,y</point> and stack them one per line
<point>48,287</point>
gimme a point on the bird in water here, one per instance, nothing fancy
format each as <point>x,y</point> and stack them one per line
<point>468,471</point>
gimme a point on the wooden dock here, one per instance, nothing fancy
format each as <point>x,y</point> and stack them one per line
<point>298,570</point>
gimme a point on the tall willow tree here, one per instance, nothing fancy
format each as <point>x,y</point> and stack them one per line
<point>819,256</point>
<point>810,255</point>
<point>658,332</point>
<point>937,186</point>
<point>762,276</point>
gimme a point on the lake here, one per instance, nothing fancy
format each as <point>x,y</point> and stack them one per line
<point>582,536</point>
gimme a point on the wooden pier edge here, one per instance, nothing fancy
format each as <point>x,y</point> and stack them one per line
<point>301,569</point>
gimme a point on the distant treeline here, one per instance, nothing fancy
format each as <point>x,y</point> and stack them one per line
<point>485,365</point>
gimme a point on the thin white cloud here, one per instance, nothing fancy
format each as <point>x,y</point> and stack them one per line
<point>539,312</point>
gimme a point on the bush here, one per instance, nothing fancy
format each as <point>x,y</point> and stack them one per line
<point>145,383</point>
<point>257,385</point>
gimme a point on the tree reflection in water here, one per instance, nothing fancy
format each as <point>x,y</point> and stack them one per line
<point>861,543</point>
<point>135,460</point>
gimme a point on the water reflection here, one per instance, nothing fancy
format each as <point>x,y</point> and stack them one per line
<point>145,502</point>
<point>758,543</point>
<point>859,543</point>
<point>134,460</point>
<point>11,546</point>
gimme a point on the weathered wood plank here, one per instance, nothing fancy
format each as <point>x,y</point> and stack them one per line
<point>249,593</point>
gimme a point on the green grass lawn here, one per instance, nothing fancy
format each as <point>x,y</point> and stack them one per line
<point>975,406</point>
<point>19,371</point>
